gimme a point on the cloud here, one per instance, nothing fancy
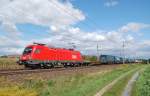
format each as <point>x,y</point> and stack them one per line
<point>86,42</point>
<point>142,49</point>
<point>39,12</point>
<point>109,42</point>
<point>11,29</point>
<point>134,27</point>
<point>59,16</point>
<point>55,14</point>
<point>111,3</point>
<point>11,46</point>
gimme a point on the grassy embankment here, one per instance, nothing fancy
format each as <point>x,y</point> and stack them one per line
<point>77,85</point>
<point>9,63</point>
<point>142,85</point>
<point>118,88</point>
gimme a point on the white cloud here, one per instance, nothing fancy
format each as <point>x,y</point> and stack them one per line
<point>111,3</point>
<point>11,46</point>
<point>11,28</point>
<point>86,42</point>
<point>40,12</point>
<point>51,13</point>
<point>142,49</point>
<point>129,39</point>
<point>134,27</point>
<point>58,17</point>
<point>114,36</point>
<point>53,28</point>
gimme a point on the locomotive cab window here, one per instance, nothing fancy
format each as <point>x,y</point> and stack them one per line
<point>27,50</point>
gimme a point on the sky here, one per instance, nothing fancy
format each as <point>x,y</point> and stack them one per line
<point>83,23</point>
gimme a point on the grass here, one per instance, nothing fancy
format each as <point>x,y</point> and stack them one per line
<point>82,85</point>
<point>28,88</point>
<point>16,91</point>
<point>118,88</point>
<point>9,63</point>
<point>142,85</point>
<point>76,85</point>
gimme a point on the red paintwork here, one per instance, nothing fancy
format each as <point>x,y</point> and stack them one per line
<point>52,54</point>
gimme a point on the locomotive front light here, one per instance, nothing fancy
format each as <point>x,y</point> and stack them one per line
<point>24,58</point>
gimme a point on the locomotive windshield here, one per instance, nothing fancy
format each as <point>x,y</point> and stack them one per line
<point>27,50</point>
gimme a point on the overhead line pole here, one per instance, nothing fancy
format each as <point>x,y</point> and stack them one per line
<point>123,52</point>
<point>99,48</point>
<point>97,53</point>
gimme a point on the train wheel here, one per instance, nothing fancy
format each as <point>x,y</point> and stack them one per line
<point>87,64</point>
<point>65,65</point>
<point>26,66</point>
<point>71,64</point>
<point>48,66</point>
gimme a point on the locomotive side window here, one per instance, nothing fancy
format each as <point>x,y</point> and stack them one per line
<point>37,51</point>
<point>27,50</point>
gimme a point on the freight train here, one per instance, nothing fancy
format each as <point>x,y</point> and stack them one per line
<point>41,56</point>
<point>109,59</point>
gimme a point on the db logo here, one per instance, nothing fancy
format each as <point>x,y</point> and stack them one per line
<point>74,57</point>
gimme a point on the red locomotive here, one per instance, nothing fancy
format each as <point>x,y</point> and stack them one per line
<point>40,55</point>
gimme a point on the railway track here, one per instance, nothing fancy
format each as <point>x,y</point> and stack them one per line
<point>28,71</point>
<point>57,69</point>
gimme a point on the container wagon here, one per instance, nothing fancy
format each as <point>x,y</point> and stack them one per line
<point>109,59</point>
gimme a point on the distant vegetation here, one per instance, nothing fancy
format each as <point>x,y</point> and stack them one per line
<point>9,56</point>
<point>145,61</point>
<point>4,56</point>
<point>90,58</point>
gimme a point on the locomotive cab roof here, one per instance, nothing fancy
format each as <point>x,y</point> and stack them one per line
<point>51,47</point>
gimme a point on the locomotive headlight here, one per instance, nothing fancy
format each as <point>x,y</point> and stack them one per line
<point>24,58</point>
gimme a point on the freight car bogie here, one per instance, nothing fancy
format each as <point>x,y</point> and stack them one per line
<point>73,64</point>
<point>47,65</point>
<point>32,66</point>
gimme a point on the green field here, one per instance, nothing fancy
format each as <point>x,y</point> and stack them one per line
<point>118,88</point>
<point>142,85</point>
<point>76,85</point>
<point>140,88</point>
